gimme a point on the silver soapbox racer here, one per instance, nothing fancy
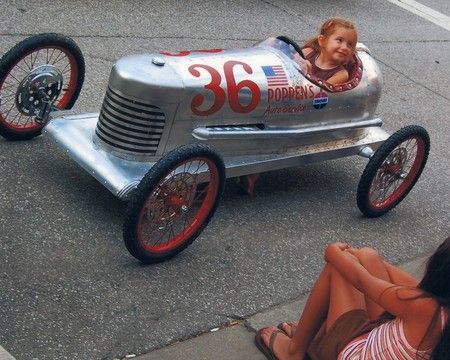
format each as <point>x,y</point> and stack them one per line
<point>174,125</point>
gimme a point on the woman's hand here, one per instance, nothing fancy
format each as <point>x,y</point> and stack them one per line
<point>342,246</point>
<point>339,248</point>
<point>334,248</point>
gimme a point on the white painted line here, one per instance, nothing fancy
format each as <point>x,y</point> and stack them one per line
<point>4,355</point>
<point>424,11</point>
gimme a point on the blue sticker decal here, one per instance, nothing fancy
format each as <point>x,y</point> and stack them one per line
<point>320,100</point>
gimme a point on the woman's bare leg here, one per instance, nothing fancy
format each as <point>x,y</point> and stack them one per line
<point>372,261</point>
<point>331,296</point>
<point>343,298</point>
<point>313,316</point>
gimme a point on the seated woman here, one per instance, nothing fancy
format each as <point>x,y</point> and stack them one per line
<point>362,307</point>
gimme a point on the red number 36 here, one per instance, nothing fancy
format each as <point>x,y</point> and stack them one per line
<point>233,89</point>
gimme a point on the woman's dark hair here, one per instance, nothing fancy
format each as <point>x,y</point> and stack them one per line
<point>436,283</point>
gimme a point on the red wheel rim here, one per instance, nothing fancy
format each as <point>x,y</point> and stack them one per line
<point>178,205</point>
<point>397,173</point>
<point>56,56</point>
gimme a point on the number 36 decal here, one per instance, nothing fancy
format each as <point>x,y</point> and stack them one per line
<point>232,90</point>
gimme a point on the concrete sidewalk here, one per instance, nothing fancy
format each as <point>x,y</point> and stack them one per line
<point>235,342</point>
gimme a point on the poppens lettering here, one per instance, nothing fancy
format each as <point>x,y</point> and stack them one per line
<point>290,93</point>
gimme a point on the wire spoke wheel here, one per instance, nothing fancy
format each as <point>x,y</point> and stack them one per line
<point>393,170</point>
<point>173,203</point>
<point>41,72</point>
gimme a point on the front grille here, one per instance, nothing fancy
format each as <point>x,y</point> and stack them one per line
<point>130,126</point>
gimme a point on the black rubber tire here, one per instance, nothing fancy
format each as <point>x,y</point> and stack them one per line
<point>150,183</point>
<point>289,41</point>
<point>368,207</point>
<point>21,51</point>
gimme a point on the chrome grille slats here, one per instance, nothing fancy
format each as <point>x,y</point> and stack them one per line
<point>144,128</point>
<point>130,119</point>
<point>135,111</point>
<point>119,130</point>
<point>130,144</point>
<point>130,126</point>
<point>128,138</point>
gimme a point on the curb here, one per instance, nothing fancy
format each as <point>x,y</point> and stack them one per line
<point>4,355</point>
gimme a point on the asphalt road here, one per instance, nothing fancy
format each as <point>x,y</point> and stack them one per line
<point>69,288</point>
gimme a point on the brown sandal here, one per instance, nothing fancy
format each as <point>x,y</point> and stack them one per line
<point>292,327</point>
<point>267,350</point>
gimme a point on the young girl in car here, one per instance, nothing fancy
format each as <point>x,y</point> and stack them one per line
<point>326,57</point>
<point>328,53</point>
<point>362,307</point>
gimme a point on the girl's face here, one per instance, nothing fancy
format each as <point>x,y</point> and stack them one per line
<point>340,45</point>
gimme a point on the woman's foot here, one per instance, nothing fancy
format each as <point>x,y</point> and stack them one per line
<point>288,327</point>
<point>275,343</point>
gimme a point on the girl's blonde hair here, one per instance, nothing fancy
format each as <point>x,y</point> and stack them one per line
<point>328,29</point>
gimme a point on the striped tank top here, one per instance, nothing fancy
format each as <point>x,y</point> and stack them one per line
<point>385,342</point>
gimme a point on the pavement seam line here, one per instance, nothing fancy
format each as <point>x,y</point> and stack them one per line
<point>410,79</point>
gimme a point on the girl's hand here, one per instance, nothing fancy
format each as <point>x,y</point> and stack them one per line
<point>305,65</point>
<point>308,67</point>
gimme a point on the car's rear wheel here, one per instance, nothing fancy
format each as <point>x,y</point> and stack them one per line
<point>393,170</point>
<point>40,72</point>
<point>173,203</point>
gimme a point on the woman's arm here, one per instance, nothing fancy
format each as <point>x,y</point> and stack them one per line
<point>398,300</point>
<point>400,277</point>
<point>397,276</point>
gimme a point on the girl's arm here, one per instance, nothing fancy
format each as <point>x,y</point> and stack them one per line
<point>339,78</point>
<point>307,50</point>
<point>398,300</point>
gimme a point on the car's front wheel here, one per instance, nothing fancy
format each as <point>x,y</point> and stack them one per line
<point>173,203</point>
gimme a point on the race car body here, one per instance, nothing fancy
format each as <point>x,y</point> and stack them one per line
<point>254,106</point>
<point>232,99</point>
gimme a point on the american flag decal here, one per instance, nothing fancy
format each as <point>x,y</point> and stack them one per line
<point>275,75</point>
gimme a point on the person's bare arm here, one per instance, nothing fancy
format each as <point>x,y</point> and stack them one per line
<point>339,78</point>
<point>305,65</point>
<point>398,300</point>
<point>396,275</point>
<point>307,50</point>
<point>399,276</point>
